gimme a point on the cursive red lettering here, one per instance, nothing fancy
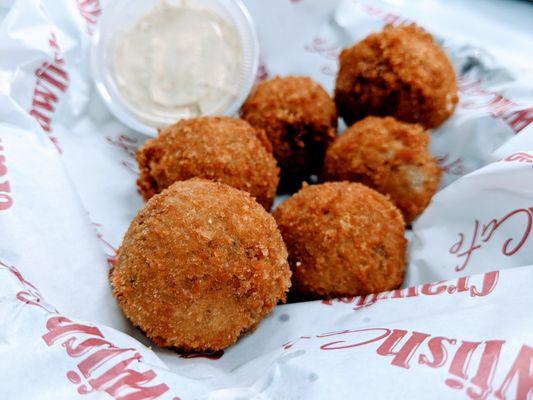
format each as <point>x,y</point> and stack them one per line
<point>335,345</point>
<point>493,226</point>
<point>468,253</point>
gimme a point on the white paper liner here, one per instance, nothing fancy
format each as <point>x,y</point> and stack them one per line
<point>67,195</point>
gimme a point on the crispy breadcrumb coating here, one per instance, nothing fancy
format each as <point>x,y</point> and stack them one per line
<point>201,264</point>
<point>224,149</point>
<point>344,239</point>
<point>400,72</point>
<point>391,157</point>
<point>300,120</point>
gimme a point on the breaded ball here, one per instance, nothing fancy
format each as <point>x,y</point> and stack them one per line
<point>201,264</point>
<point>300,120</point>
<point>344,239</point>
<point>224,149</point>
<point>399,72</point>
<point>391,157</point>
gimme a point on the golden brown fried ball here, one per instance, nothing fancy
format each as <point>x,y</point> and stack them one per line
<point>224,149</point>
<point>400,72</point>
<point>391,157</point>
<point>344,239</point>
<point>201,264</point>
<point>300,120</point>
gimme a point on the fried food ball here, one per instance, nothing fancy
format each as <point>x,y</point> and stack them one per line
<point>391,157</point>
<point>400,72</point>
<point>224,149</point>
<point>201,264</point>
<point>300,120</point>
<point>344,239</point>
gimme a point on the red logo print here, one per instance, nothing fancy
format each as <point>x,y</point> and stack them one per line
<point>520,157</point>
<point>475,97</point>
<point>110,251</point>
<point>462,285</point>
<point>6,201</point>
<point>465,247</point>
<point>103,366</point>
<point>129,145</point>
<point>30,295</point>
<point>52,81</point>
<point>90,10</point>
<point>383,15</point>
<point>452,167</point>
<point>328,51</point>
<point>408,349</point>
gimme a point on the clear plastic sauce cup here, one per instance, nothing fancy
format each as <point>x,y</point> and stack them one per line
<point>121,17</point>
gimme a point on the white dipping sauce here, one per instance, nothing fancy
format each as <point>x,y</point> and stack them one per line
<point>179,61</point>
